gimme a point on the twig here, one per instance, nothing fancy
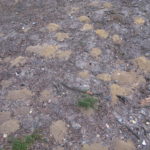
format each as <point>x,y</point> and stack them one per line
<point>131,131</point>
<point>122,99</point>
<point>78,90</point>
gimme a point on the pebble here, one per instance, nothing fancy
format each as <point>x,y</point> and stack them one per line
<point>147,54</point>
<point>5,135</point>
<point>34,23</point>
<point>148,87</point>
<point>17,74</point>
<point>30,111</point>
<point>143,112</point>
<point>97,135</point>
<point>144,142</point>
<point>76,125</point>
<point>133,121</point>
<point>120,120</point>
<point>118,117</point>
<point>49,101</point>
<point>68,125</point>
<point>147,123</point>
<point>107,125</point>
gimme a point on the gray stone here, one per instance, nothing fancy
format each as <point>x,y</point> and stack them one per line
<point>147,54</point>
<point>75,125</point>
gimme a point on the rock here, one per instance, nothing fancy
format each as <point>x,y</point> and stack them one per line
<point>75,125</point>
<point>9,127</point>
<point>58,129</point>
<point>148,87</point>
<point>144,143</point>
<point>4,116</point>
<point>147,54</point>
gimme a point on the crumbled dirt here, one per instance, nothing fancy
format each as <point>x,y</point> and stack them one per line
<point>9,127</point>
<point>54,51</point>
<point>58,130</point>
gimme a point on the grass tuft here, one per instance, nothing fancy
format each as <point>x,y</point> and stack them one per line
<point>25,143</point>
<point>87,101</point>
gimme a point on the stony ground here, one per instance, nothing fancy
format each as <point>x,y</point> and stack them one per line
<point>52,51</point>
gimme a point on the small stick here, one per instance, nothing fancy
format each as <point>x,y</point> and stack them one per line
<point>78,90</point>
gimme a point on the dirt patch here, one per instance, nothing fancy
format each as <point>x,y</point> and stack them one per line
<point>60,36</point>
<point>9,127</point>
<point>95,52</point>
<point>58,130</point>
<point>130,79</point>
<point>143,64</point>
<point>84,19</point>
<point>94,146</point>
<point>18,61</point>
<point>104,77</point>
<point>119,90</point>
<point>52,27</point>
<point>45,50</point>
<point>22,94</point>
<point>123,145</point>
<point>102,33</point>
<point>4,116</point>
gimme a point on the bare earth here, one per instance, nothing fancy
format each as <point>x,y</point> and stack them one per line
<point>52,51</point>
